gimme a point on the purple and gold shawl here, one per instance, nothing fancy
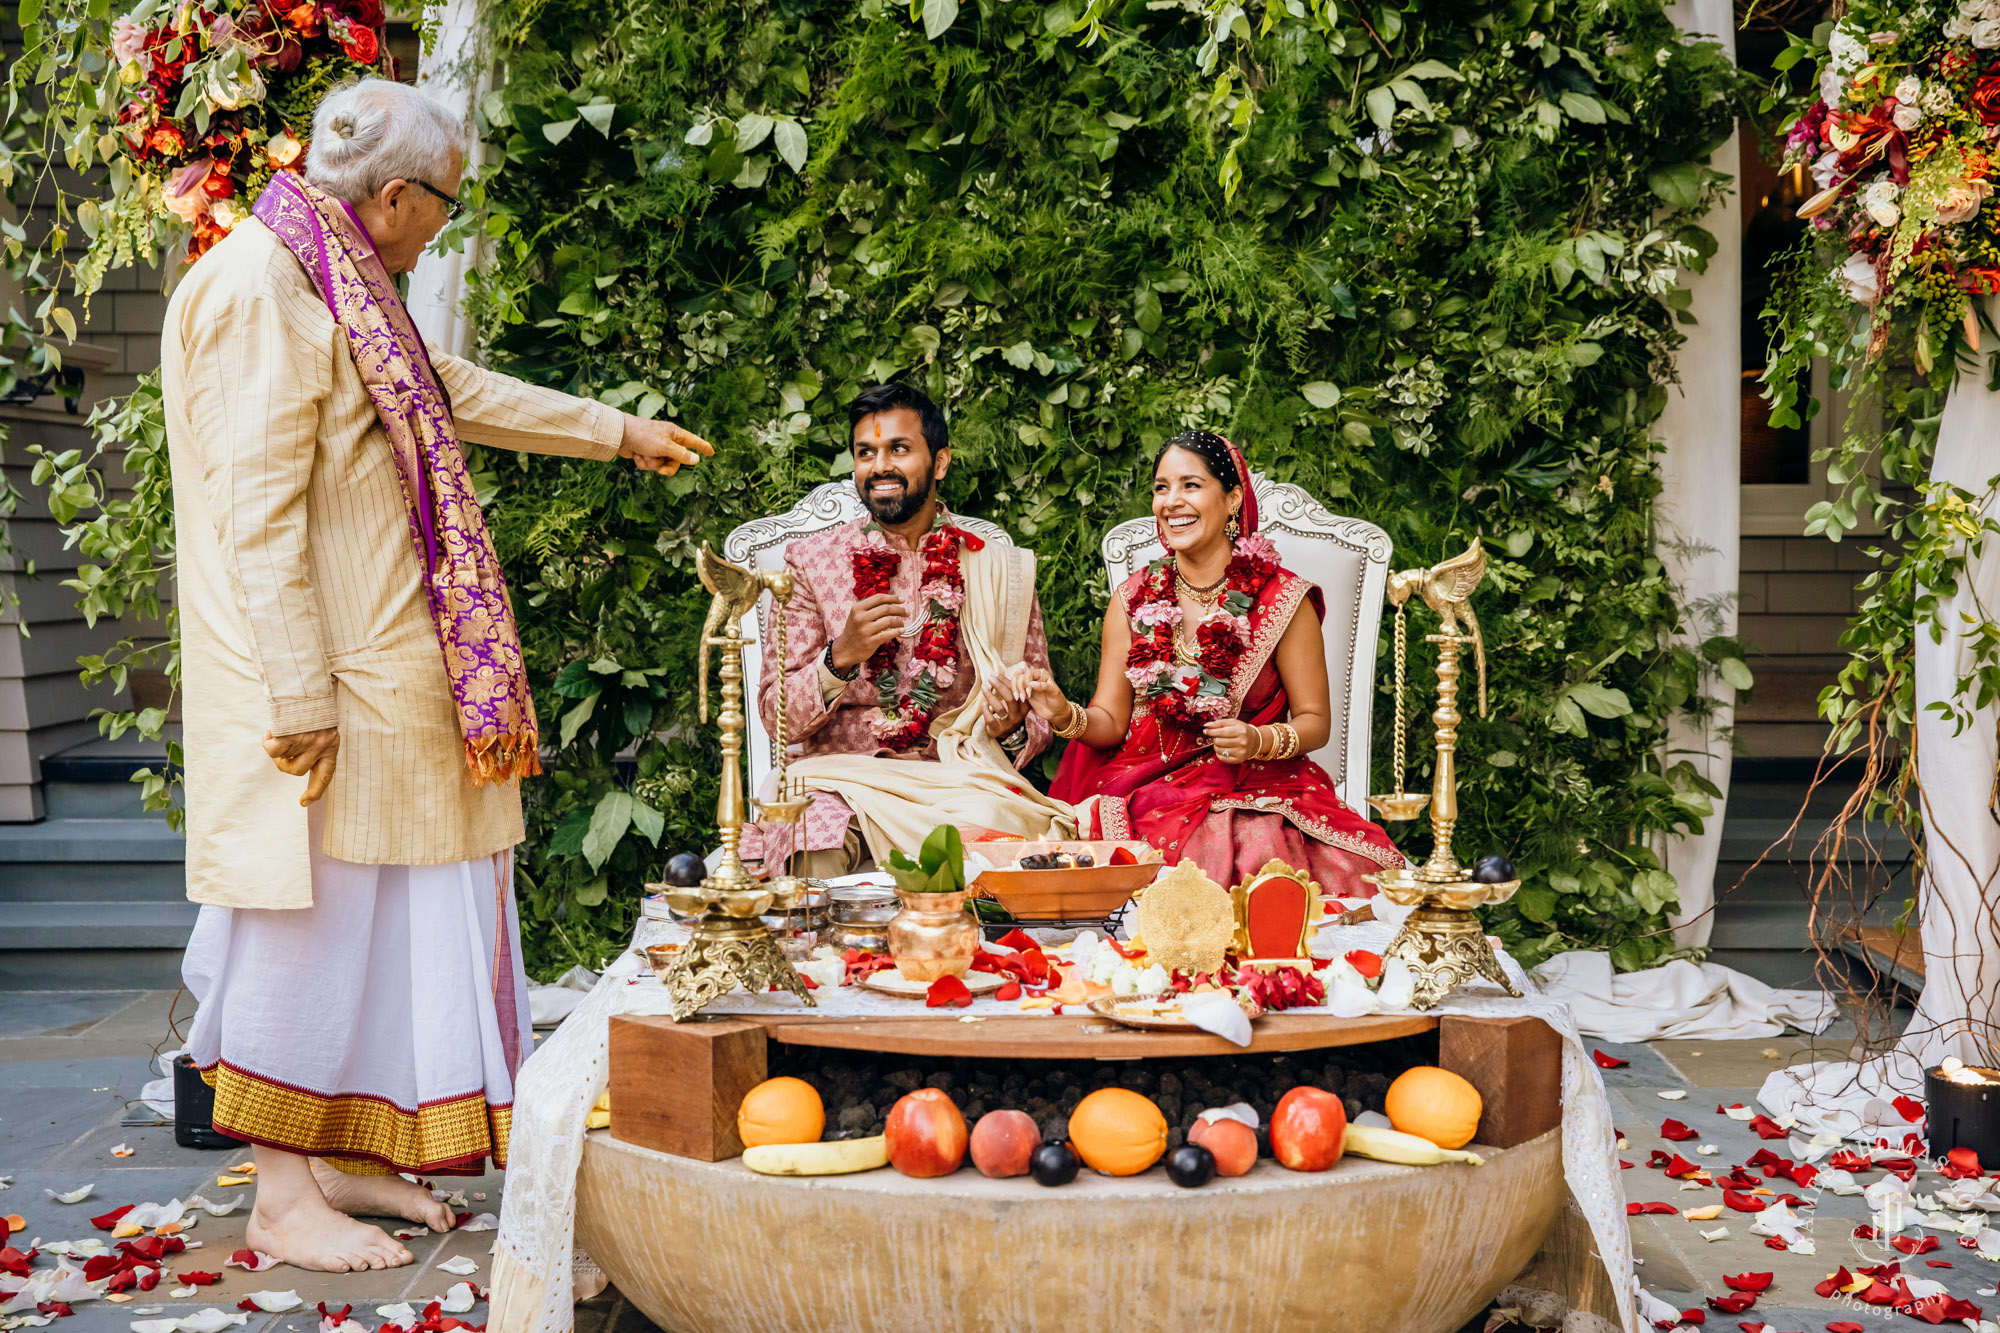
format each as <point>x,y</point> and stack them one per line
<point>466,591</point>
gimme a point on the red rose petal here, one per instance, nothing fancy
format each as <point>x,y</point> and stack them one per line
<point>1838,1282</point>
<point>1735,1304</point>
<point>1866,1232</point>
<point>1694,1316</point>
<point>1636,1209</point>
<point>1768,1128</point>
<point>1909,1108</point>
<point>1748,1281</point>
<point>947,990</point>
<point>1743,1203</point>
<point>1675,1131</point>
<point>1913,1245</point>
<point>1845,1326</point>
<point>110,1219</point>
<point>198,1279</point>
<point>1937,1263</point>
<point>1961,1164</point>
<point>1009,991</point>
<point>1608,1061</point>
<point>1369,965</point>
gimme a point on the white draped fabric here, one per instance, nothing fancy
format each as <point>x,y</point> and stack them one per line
<point>532,1287</point>
<point>1699,524</point>
<point>1704,1001</point>
<point>1956,770</point>
<point>456,73</point>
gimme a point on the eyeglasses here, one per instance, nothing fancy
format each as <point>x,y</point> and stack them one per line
<point>453,206</point>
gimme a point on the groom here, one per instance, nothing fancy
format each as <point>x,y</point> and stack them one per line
<point>904,638</point>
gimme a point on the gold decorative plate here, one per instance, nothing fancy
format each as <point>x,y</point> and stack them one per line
<point>891,982</point>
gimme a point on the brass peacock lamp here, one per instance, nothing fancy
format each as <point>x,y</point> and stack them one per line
<point>1442,941</point>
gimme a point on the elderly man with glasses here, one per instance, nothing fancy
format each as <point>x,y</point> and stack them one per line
<point>357,711</point>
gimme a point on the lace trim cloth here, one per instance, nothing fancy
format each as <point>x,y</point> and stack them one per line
<point>532,1291</point>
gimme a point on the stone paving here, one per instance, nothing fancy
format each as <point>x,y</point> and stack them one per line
<point>72,1063</point>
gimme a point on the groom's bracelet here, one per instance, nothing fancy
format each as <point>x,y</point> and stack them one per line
<point>847,675</point>
<point>1016,740</point>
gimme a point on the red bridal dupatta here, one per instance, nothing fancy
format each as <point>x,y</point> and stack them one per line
<point>463,584</point>
<point>1165,785</point>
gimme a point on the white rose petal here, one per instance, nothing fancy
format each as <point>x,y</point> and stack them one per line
<point>1720,1233</point>
<point>275,1302</point>
<point>1674,1095</point>
<point>73,1196</point>
<point>459,1299</point>
<point>399,1313</point>
<point>486,1221</point>
<point>460,1265</point>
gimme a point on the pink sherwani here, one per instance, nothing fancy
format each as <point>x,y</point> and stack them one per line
<point>822,599</point>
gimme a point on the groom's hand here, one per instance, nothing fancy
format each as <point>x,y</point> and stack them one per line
<point>873,622</point>
<point>306,752</point>
<point>1003,709</point>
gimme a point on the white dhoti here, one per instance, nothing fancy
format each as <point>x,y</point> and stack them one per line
<point>379,1028</point>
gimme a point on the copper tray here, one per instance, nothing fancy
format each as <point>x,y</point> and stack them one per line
<point>1064,895</point>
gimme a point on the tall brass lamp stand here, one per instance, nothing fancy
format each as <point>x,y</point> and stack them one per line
<point>731,946</point>
<point>1442,941</point>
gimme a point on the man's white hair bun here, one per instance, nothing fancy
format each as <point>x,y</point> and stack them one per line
<point>376,131</point>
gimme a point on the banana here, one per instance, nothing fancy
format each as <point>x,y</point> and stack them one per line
<point>818,1159</point>
<point>1389,1145</point>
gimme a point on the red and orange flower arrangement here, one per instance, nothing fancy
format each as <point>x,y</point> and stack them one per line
<point>1185,693</point>
<point>219,94</point>
<point>903,714</point>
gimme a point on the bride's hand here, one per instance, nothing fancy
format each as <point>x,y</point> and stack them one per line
<point>1234,741</point>
<point>1045,697</point>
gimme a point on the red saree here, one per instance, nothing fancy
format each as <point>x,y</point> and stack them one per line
<point>1164,784</point>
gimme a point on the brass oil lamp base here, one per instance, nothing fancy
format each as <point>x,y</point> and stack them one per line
<point>1443,942</point>
<point>727,952</point>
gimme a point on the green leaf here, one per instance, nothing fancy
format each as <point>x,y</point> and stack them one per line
<point>1599,700</point>
<point>1320,394</point>
<point>599,115</point>
<point>1536,902</point>
<point>939,15</point>
<point>1381,107</point>
<point>1432,69</point>
<point>1736,672</point>
<point>558,130</point>
<point>28,13</point>
<point>751,131</point>
<point>573,720</point>
<point>607,825</point>
<point>1679,185</point>
<point>650,822</point>
<point>1655,890</point>
<point>1146,312</point>
<point>1583,108</point>
<point>789,138</point>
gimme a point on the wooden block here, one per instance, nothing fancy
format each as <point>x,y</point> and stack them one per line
<point>675,1087</point>
<point>1516,1063</point>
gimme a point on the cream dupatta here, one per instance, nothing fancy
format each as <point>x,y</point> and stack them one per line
<point>972,783</point>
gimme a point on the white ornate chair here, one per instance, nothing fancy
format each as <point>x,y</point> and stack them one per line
<point>1349,559</point>
<point>760,544</point>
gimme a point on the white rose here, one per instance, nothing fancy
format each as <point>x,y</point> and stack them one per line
<point>1885,215</point>
<point>1831,85</point>
<point>1858,276</point>
<point>1908,88</point>
<point>1844,51</point>
<point>226,213</point>
<point>1963,201</point>
<point>227,92</point>
<point>1986,34</point>
<point>1907,118</point>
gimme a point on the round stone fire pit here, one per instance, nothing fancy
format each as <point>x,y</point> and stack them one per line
<point>1367,1247</point>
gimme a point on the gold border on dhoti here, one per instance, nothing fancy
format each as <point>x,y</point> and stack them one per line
<point>360,1134</point>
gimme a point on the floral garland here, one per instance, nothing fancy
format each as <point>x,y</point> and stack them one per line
<point>218,94</point>
<point>1192,694</point>
<point>903,716</point>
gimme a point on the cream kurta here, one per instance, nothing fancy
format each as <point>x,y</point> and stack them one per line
<point>300,598</point>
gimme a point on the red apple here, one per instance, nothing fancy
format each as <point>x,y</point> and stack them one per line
<point>1231,1142</point>
<point>1003,1141</point>
<point>926,1134</point>
<point>1307,1129</point>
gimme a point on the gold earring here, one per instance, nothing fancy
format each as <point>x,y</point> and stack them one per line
<point>1234,529</point>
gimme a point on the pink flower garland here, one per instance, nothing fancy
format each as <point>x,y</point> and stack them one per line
<point>903,716</point>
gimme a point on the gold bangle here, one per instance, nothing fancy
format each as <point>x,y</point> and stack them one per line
<point>1078,723</point>
<point>1291,746</point>
<point>1267,741</point>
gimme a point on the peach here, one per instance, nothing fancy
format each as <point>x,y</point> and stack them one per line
<point>926,1134</point>
<point>1003,1141</point>
<point>1232,1143</point>
<point>1307,1129</point>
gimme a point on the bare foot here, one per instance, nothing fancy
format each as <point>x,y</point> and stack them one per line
<point>309,1234</point>
<point>381,1196</point>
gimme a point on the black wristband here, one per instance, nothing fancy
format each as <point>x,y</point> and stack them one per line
<point>838,674</point>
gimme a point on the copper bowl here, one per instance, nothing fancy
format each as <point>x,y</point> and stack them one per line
<point>1065,895</point>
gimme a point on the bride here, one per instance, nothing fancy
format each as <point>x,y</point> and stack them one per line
<point>1211,691</point>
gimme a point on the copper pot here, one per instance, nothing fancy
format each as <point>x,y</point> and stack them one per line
<point>935,935</point>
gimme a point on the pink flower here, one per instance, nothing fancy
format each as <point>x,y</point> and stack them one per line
<point>1150,614</point>
<point>128,43</point>
<point>186,199</point>
<point>949,596</point>
<point>1963,201</point>
<point>1143,677</point>
<point>1257,547</point>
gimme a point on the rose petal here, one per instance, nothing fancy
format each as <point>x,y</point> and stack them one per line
<point>271,1302</point>
<point>1675,1131</point>
<point>1909,1108</point>
<point>460,1265</point>
<point>1608,1061</point>
<point>74,1196</point>
<point>1673,1095</point>
<point>947,990</point>
<point>254,1260</point>
<point>1708,1214</point>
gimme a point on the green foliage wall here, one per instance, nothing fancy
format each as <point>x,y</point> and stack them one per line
<point>1418,259</point>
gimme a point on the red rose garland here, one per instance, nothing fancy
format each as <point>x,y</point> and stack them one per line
<point>1190,695</point>
<point>903,717</point>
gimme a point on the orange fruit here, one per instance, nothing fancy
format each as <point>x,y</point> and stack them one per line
<point>780,1110</point>
<point>1434,1104</point>
<point>1118,1132</point>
